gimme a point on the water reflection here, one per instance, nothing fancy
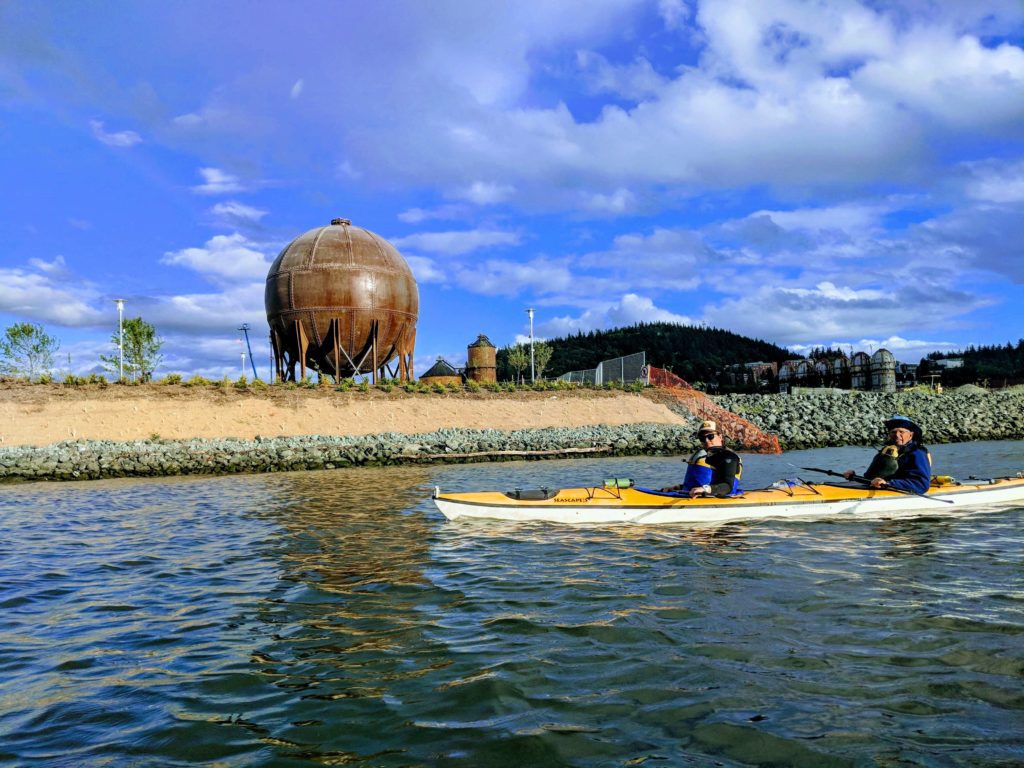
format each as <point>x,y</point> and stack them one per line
<point>344,630</point>
<point>351,529</point>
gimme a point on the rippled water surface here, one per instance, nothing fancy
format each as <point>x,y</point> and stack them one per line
<point>336,618</point>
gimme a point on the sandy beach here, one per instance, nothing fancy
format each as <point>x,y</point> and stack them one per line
<point>46,414</point>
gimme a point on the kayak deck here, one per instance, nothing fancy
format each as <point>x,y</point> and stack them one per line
<point>599,504</point>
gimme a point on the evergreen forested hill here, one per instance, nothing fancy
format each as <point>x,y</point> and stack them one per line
<point>981,362</point>
<point>693,352</point>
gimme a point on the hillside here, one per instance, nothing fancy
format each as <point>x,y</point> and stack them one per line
<point>693,352</point>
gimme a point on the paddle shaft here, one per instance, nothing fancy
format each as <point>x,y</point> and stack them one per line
<point>866,481</point>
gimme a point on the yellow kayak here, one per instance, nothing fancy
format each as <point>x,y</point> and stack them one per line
<point>612,503</point>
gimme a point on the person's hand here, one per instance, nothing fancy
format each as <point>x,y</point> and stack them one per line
<point>849,473</point>
<point>878,482</point>
<point>700,490</point>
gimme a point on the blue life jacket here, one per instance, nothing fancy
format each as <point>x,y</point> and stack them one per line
<point>699,472</point>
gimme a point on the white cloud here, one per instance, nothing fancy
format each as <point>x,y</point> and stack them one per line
<point>857,218</point>
<point>189,120</point>
<point>485,193</point>
<point>117,139</point>
<point>618,202</point>
<point>419,215</point>
<point>792,315</point>
<point>217,182</point>
<point>629,310</point>
<point>955,79</point>
<point>203,314</point>
<point>510,278</point>
<point>996,182</point>
<point>225,257</point>
<point>425,270</point>
<point>636,81</point>
<point>674,13</point>
<point>55,268</point>
<point>457,243</point>
<point>296,90</point>
<point>234,211</point>
<point>49,293</point>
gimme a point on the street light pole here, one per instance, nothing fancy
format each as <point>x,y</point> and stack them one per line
<point>533,377</point>
<point>120,339</point>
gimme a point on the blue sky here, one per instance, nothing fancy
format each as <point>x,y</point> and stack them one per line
<point>808,173</point>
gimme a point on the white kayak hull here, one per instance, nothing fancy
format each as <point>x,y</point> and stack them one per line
<point>808,501</point>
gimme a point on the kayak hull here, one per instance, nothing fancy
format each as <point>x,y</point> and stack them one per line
<point>806,501</point>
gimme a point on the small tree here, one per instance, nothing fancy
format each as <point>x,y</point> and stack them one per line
<point>26,350</point>
<point>518,359</point>
<point>141,350</point>
<point>541,357</point>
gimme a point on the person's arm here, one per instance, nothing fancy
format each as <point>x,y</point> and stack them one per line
<point>915,476</point>
<point>727,464</point>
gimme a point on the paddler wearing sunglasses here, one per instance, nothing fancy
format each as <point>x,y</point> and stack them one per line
<point>713,470</point>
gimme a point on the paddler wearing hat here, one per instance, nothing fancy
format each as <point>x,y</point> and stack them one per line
<point>903,464</point>
<point>713,470</point>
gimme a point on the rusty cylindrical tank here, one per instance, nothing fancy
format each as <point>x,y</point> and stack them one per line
<point>343,301</point>
<point>482,361</point>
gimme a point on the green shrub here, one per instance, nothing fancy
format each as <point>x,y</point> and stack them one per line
<point>197,381</point>
<point>171,378</point>
<point>258,384</point>
<point>364,386</point>
<point>241,383</point>
<point>98,378</point>
<point>345,384</point>
<point>385,386</point>
<point>472,385</point>
<point>70,380</point>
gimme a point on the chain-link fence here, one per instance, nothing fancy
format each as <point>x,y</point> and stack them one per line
<point>619,369</point>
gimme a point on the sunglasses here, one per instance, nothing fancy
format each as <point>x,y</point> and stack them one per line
<point>707,436</point>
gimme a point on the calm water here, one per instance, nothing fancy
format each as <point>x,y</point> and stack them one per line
<point>335,618</point>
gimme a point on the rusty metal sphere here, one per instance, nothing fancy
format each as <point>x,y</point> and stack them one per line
<point>342,300</point>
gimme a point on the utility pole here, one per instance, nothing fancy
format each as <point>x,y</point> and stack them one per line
<point>244,328</point>
<point>533,377</point>
<point>120,339</point>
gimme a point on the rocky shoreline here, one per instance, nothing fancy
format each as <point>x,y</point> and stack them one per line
<point>97,459</point>
<point>807,420</point>
<point>827,418</point>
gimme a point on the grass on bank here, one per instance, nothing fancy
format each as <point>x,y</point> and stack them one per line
<point>243,383</point>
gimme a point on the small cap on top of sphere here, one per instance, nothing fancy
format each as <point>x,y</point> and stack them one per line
<point>341,222</point>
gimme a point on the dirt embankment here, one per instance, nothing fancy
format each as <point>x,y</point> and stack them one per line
<point>44,414</point>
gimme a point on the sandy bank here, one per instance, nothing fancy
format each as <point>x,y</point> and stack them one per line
<point>41,415</point>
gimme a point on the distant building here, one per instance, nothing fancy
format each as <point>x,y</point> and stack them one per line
<point>442,372</point>
<point>878,372</point>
